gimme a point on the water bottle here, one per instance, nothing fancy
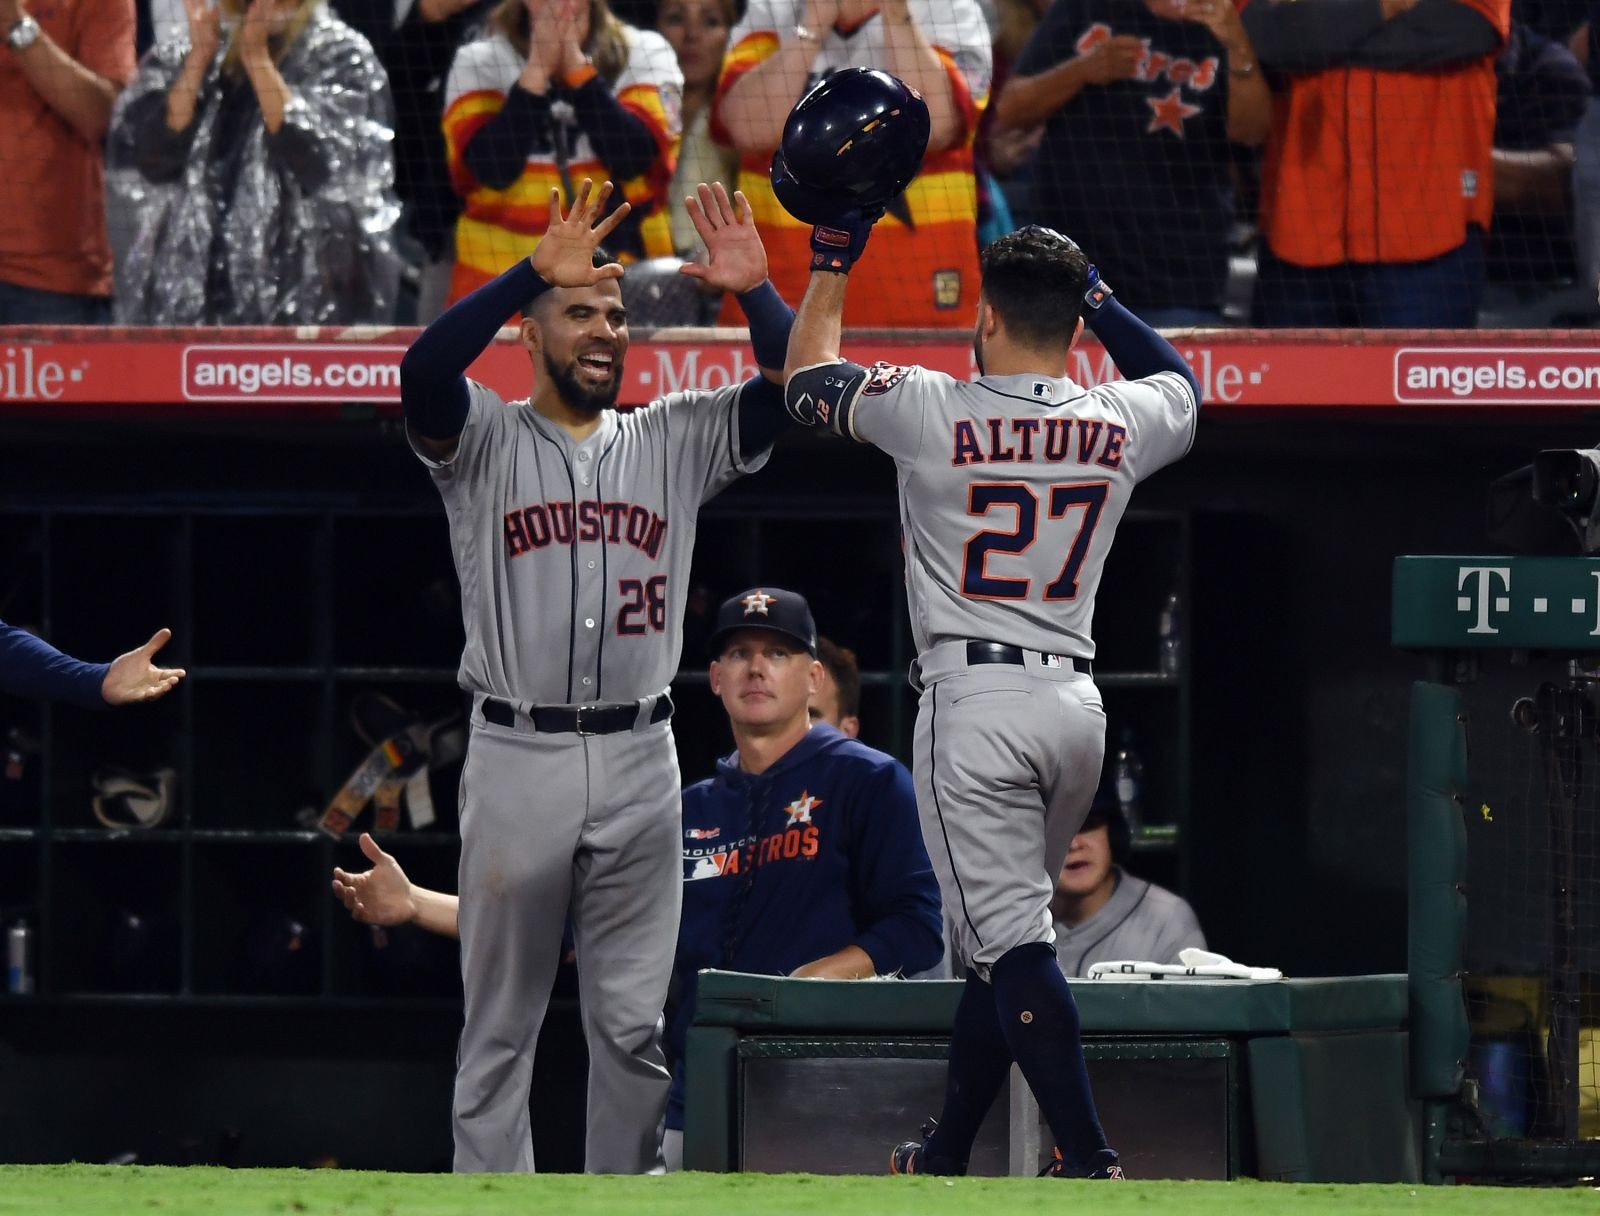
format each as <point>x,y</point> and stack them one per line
<point>19,958</point>
<point>1170,637</point>
<point>1129,779</point>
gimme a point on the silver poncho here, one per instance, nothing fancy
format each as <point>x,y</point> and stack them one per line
<point>282,239</point>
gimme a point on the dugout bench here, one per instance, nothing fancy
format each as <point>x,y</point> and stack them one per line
<point>1294,1080</point>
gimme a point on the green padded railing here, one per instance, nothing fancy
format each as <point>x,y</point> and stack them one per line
<point>1437,904</point>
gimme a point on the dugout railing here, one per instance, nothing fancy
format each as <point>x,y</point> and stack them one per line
<point>1511,644</point>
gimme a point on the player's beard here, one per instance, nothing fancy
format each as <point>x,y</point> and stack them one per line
<point>580,396</point>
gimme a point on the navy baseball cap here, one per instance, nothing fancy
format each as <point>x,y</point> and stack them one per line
<point>773,608</point>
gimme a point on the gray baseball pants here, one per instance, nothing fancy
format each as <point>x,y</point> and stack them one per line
<point>1006,761</point>
<point>551,822</point>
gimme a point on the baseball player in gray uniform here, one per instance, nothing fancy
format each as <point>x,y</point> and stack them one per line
<point>572,526</point>
<point>1011,488</point>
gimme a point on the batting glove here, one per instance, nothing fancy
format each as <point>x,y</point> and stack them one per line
<point>1098,292</point>
<point>837,247</point>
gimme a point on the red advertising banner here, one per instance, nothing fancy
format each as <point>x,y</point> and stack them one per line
<point>278,369</point>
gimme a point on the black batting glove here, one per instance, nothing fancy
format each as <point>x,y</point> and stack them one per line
<point>838,246</point>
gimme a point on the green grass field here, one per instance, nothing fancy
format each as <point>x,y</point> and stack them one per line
<point>57,1190</point>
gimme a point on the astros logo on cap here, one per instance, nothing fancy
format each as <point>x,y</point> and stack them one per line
<point>757,602</point>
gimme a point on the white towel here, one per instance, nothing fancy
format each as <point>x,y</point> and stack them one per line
<point>1193,964</point>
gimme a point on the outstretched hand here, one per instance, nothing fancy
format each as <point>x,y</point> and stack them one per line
<point>736,260</point>
<point>381,896</point>
<point>134,677</point>
<point>564,256</point>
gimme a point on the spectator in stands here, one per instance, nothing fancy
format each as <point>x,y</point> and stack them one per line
<point>417,53</point>
<point>837,700</point>
<point>1140,102</point>
<point>801,856</point>
<point>1378,180</point>
<point>255,171</point>
<point>1586,175</point>
<point>559,90</point>
<point>698,33</point>
<point>1009,154</point>
<point>921,267</point>
<point>1542,93</point>
<point>1103,913</point>
<point>60,72</point>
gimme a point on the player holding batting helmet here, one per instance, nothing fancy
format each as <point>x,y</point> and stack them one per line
<point>1001,572</point>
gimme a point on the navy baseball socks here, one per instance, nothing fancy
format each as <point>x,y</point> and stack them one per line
<point>1039,1019</point>
<point>979,1062</point>
<point>1027,1013</point>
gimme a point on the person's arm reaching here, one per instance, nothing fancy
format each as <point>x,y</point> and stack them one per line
<point>31,667</point>
<point>835,248</point>
<point>1136,349</point>
<point>433,383</point>
<point>736,261</point>
<point>385,896</point>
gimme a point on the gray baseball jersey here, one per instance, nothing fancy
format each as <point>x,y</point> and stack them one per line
<point>574,560</point>
<point>1011,489</point>
<point>1140,922</point>
<point>574,557</point>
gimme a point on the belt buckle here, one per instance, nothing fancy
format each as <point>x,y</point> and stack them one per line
<point>577,724</point>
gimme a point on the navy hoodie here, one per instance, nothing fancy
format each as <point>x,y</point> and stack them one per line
<point>820,852</point>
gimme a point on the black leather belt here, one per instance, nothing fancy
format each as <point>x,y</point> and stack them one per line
<point>999,652</point>
<point>577,719</point>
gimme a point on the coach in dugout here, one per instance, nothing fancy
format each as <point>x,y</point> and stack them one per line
<point>922,264</point>
<point>802,856</point>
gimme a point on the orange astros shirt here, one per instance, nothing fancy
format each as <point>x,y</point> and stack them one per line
<point>499,227</point>
<point>1381,166</point>
<point>922,275</point>
<point>52,180</point>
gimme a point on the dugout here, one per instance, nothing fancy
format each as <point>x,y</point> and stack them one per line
<point>294,546</point>
<point>1288,1080</point>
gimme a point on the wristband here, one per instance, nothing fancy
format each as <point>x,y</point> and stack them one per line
<point>580,76</point>
<point>770,320</point>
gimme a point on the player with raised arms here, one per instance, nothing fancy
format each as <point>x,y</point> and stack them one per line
<point>572,527</point>
<point>1011,487</point>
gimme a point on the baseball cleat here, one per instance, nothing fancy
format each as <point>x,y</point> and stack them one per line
<point>1058,1169</point>
<point>906,1157</point>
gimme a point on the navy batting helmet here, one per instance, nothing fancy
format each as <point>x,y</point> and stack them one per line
<point>854,141</point>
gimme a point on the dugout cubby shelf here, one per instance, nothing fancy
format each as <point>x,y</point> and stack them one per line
<point>287,609</point>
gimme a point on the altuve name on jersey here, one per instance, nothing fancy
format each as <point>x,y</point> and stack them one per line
<point>1052,440</point>
<point>560,523</point>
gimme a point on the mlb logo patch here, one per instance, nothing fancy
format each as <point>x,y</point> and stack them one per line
<point>1050,660</point>
<point>1041,390</point>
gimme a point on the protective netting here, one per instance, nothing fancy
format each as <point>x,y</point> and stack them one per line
<point>1424,163</point>
<point>1533,898</point>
